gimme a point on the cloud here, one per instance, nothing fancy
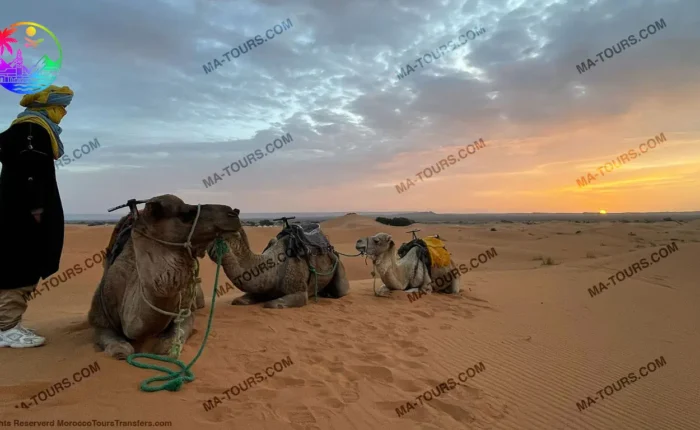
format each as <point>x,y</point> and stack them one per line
<point>330,81</point>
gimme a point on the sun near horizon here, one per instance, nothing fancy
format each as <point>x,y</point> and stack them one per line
<point>603,211</point>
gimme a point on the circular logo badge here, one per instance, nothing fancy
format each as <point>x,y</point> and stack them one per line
<point>30,57</point>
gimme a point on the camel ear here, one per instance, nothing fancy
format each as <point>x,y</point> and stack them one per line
<point>236,211</point>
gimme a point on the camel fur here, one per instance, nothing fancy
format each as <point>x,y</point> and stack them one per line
<point>118,313</point>
<point>277,280</point>
<point>409,273</point>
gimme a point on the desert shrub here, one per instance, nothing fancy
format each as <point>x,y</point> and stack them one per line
<point>397,221</point>
<point>493,229</point>
<point>266,222</point>
<point>548,262</point>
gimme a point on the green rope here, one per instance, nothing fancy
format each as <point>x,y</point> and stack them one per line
<point>175,379</point>
<point>316,275</point>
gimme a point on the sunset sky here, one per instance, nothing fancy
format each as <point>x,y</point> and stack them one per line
<point>330,81</point>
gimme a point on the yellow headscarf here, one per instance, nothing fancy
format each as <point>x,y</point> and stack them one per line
<point>49,103</point>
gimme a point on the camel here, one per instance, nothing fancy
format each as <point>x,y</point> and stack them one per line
<point>123,222</point>
<point>150,280</point>
<point>278,277</point>
<point>409,273</point>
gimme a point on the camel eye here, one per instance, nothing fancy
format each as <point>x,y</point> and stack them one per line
<point>376,240</point>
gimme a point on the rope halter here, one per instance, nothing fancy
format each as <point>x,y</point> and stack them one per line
<point>187,245</point>
<point>183,313</point>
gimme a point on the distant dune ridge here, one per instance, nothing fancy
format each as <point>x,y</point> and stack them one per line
<point>527,316</point>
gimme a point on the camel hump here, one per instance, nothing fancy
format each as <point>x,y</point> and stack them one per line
<point>305,239</point>
<point>439,256</point>
<point>120,236</point>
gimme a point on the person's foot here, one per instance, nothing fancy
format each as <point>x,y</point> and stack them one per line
<point>20,337</point>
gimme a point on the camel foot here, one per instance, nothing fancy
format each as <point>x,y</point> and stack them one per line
<point>384,291</point>
<point>246,299</point>
<point>453,288</point>
<point>165,340</point>
<point>119,350</point>
<point>114,344</point>
<point>294,300</point>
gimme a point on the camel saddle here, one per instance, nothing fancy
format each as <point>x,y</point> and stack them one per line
<point>120,235</point>
<point>305,240</point>
<point>431,251</point>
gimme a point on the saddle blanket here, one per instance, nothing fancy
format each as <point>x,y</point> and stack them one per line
<point>439,256</point>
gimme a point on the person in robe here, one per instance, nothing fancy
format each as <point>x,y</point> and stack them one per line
<point>31,213</point>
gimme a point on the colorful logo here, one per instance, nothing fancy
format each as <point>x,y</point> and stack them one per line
<point>17,73</point>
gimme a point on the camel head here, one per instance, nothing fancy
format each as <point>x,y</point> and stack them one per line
<point>376,245</point>
<point>236,242</point>
<point>169,219</point>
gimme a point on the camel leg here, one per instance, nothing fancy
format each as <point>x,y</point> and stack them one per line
<point>338,285</point>
<point>427,283</point>
<point>248,299</point>
<point>113,344</point>
<point>199,298</point>
<point>453,288</point>
<point>166,339</point>
<point>294,300</point>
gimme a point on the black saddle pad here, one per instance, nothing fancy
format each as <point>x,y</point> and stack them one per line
<point>305,240</point>
<point>122,237</point>
<point>423,253</point>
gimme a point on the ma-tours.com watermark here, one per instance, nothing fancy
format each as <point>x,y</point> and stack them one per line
<point>441,389</point>
<point>242,163</point>
<point>630,155</point>
<point>58,387</point>
<point>441,165</point>
<point>77,153</point>
<point>56,280</point>
<point>622,45</point>
<point>462,40</point>
<point>252,273</point>
<point>634,268</point>
<point>248,383</point>
<point>461,269</point>
<point>248,46</point>
<point>621,383</point>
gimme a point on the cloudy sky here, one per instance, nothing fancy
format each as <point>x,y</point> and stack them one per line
<point>330,81</point>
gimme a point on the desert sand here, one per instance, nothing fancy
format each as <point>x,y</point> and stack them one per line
<point>544,341</point>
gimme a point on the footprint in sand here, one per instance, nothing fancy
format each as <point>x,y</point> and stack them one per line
<point>287,381</point>
<point>336,366</point>
<point>373,357</point>
<point>302,417</point>
<point>458,413</point>
<point>334,403</point>
<point>408,385</point>
<point>424,314</point>
<point>350,396</point>
<point>374,372</point>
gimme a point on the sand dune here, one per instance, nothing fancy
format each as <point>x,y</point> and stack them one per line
<point>540,341</point>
